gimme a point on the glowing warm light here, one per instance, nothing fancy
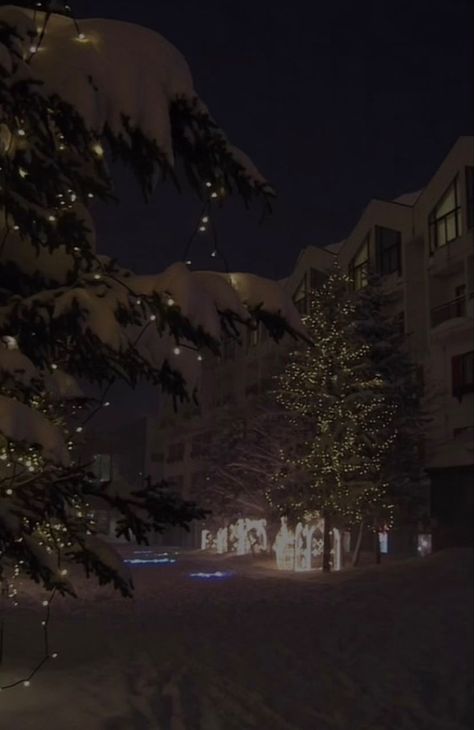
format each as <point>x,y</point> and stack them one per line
<point>98,149</point>
<point>222,540</point>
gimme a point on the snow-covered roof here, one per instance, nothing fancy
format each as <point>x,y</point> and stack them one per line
<point>335,247</point>
<point>408,198</point>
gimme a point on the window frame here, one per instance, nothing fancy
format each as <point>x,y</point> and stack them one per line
<point>462,374</point>
<point>361,269</point>
<point>469,180</point>
<point>385,252</point>
<point>434,221</point>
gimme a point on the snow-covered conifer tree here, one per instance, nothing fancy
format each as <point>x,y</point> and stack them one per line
<point>72,96</point>
<point>356,398</point>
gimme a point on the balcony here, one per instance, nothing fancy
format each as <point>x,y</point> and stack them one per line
<point>449,310</point>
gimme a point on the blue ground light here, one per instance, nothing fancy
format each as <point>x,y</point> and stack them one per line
<point>216,575</point>
<point>153,558</point>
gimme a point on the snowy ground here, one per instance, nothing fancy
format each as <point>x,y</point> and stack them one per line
<point>381,648</point>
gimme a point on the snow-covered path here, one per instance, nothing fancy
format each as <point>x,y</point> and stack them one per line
<point>385,648</point>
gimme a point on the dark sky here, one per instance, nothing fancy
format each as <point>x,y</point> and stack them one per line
<point>335,102</point>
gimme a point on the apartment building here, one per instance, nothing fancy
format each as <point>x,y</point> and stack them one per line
<point>422,245</point>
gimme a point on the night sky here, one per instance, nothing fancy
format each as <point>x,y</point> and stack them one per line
<point>336,103</point>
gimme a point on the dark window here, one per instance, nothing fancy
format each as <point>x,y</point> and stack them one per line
<point>300,297</point>
<point>470,196</point>
<point>388,243</point>
<point>175,452</point>
<point>317,279</point>
<point>462,367</point>
<point>359,266</point>
<point>445,218</point>
<point>253,336</point>
<point>102,467</point>
<point>199,443</point>
<point>400,320</point>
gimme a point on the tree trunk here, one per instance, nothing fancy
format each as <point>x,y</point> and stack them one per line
<point>326,545</point>
<point>356,552</point>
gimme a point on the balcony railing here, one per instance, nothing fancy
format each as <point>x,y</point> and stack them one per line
<point>448,310</point>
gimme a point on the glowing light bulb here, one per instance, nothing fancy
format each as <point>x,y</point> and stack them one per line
<point>189,262</point>
<point>177,351</point>
<point>21,133</point>
<point>170,302</point>
<point>98,149</point>
<point>200,358</point>
<point>208,184</point>
<point>52,218</point>
<point>205,219</point>
<point>106,404</point>
<point>214,254</point>
<point>45,603</point>
<point>26,683</point>
<point>22,172</point>
<point>202,228</point>
<point>79,429</point>
<point>82,38</point>
<point>54,366</point>
<point>153,318</point>
<point>213,195</point>
<point>55,655</point>
<point>90,195</point>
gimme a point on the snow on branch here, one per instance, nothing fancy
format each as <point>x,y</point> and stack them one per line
<point>132,85</point>
<point>22,424</point>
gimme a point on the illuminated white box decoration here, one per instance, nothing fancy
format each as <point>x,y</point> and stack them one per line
<point>424,545</point>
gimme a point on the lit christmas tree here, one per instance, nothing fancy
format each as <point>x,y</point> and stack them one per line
<point>353,394</point>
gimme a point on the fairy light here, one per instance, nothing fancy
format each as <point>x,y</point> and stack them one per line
<point>176,351</point>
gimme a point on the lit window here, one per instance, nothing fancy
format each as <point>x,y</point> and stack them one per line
<point>388,248</point>
<point>359,266</point>
<point>445,219</point>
